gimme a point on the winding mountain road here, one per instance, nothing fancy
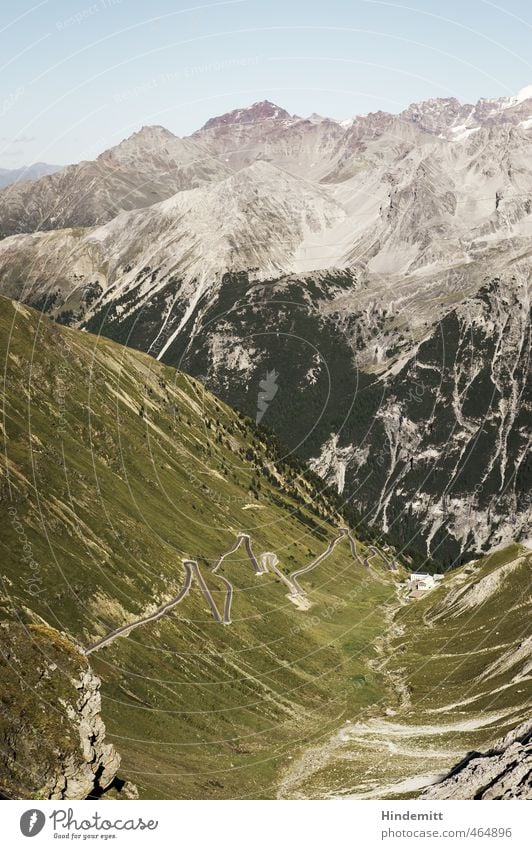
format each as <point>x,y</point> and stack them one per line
<point>259,570</point>
<point>125,629</point>
<point>269,562</point>
<point>342,534</point>
<point>390,564</point>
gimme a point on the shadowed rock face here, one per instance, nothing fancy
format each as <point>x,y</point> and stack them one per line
<point>52,737</point>
<point>505,772</point>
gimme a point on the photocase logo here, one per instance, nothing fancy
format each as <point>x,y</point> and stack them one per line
<point>32,822</point>
<point>268,391</point>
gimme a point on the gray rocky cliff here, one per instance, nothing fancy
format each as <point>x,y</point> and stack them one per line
<point>52,735</point>
<point>505,772</point>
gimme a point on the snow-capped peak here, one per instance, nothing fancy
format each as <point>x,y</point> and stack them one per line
<point>522,95</point>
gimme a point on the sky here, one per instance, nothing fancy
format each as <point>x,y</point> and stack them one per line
<point>78,76</point>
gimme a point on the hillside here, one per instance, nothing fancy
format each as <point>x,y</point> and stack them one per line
<point>460,663</point>
<point>196,616</point>
<point>118,473</point>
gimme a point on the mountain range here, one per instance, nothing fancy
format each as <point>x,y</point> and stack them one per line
<point>8,176</point>
<point>379,266</point>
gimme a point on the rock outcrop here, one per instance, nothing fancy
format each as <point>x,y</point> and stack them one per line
<point>98,766</point>
<point>52,736</point>
<point>505,772</point>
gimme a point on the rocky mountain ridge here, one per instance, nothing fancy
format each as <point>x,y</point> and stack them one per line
<point>153,163</point>
<point>448,117</point>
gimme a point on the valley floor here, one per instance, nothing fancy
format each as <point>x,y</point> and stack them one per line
<point>462,638</point>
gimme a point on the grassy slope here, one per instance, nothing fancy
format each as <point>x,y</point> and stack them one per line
<point>117,467</point>
<point>460,660</point>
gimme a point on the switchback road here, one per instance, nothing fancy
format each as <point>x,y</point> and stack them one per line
<point>269,562</point>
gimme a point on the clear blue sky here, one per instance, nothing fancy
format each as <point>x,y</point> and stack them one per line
<point>77,76</point>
